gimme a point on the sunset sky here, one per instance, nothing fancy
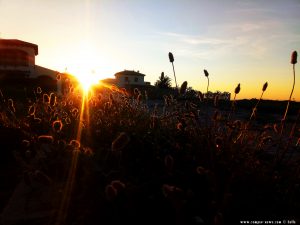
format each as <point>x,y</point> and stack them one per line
<point>237,41</point>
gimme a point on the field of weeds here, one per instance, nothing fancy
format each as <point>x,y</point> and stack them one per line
<point>110,158</point>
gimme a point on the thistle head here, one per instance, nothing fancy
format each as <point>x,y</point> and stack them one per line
<point>265,86</point>
<point>206,73</point>
<point>237,89</point>
<point>294,57</point>
<point>171,57</point>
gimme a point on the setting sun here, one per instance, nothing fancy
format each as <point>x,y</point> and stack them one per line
<point>87,79</point>
<point>82,65</point>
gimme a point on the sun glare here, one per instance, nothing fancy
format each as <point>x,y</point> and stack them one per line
<point>84,65</point>
<point>87,79</point>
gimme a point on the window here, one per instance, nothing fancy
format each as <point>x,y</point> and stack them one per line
<point>126,79</point>
<point>136,79</point>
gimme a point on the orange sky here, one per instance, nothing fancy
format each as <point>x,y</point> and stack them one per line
<point>237,41</point>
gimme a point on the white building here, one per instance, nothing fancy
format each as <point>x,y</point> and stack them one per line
<point>130,78</point>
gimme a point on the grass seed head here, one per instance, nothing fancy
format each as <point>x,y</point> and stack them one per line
<point>48,139</point>
<point>294,57</point>
<point>52,100</point>
<point>39,90</point>
<point>171,57</point>
<point>75,144</point>
<point>237,89</point>
<point>206,73</point>
<point>46,98</point>
<point>31,110</point>
<point>265,86</point>
<point>57,126</point>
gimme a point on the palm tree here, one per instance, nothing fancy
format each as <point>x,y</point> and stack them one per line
<point>163,81</point>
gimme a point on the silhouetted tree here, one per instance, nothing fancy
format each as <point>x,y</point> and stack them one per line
<point>163,81</point>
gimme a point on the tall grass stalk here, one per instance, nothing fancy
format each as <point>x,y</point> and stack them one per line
<point>293,61</point>
<point>252,114</point>
<point>236,91</point>
<point>255,107</point>
<point>171,58</point>
<point>207,74</point>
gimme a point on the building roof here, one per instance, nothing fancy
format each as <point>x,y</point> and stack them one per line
<point>129,73</point>
<point>16,42</point>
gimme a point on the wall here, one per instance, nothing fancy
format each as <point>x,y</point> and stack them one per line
<point>26,68</point>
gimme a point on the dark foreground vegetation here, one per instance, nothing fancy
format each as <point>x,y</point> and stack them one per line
<point>126,159</point>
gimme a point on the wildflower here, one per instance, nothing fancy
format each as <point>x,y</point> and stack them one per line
<point>120,142</point>
<point>294,57</point>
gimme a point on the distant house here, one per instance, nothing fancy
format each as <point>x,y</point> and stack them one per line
<point>17,61</point>
<point>130,78</point>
